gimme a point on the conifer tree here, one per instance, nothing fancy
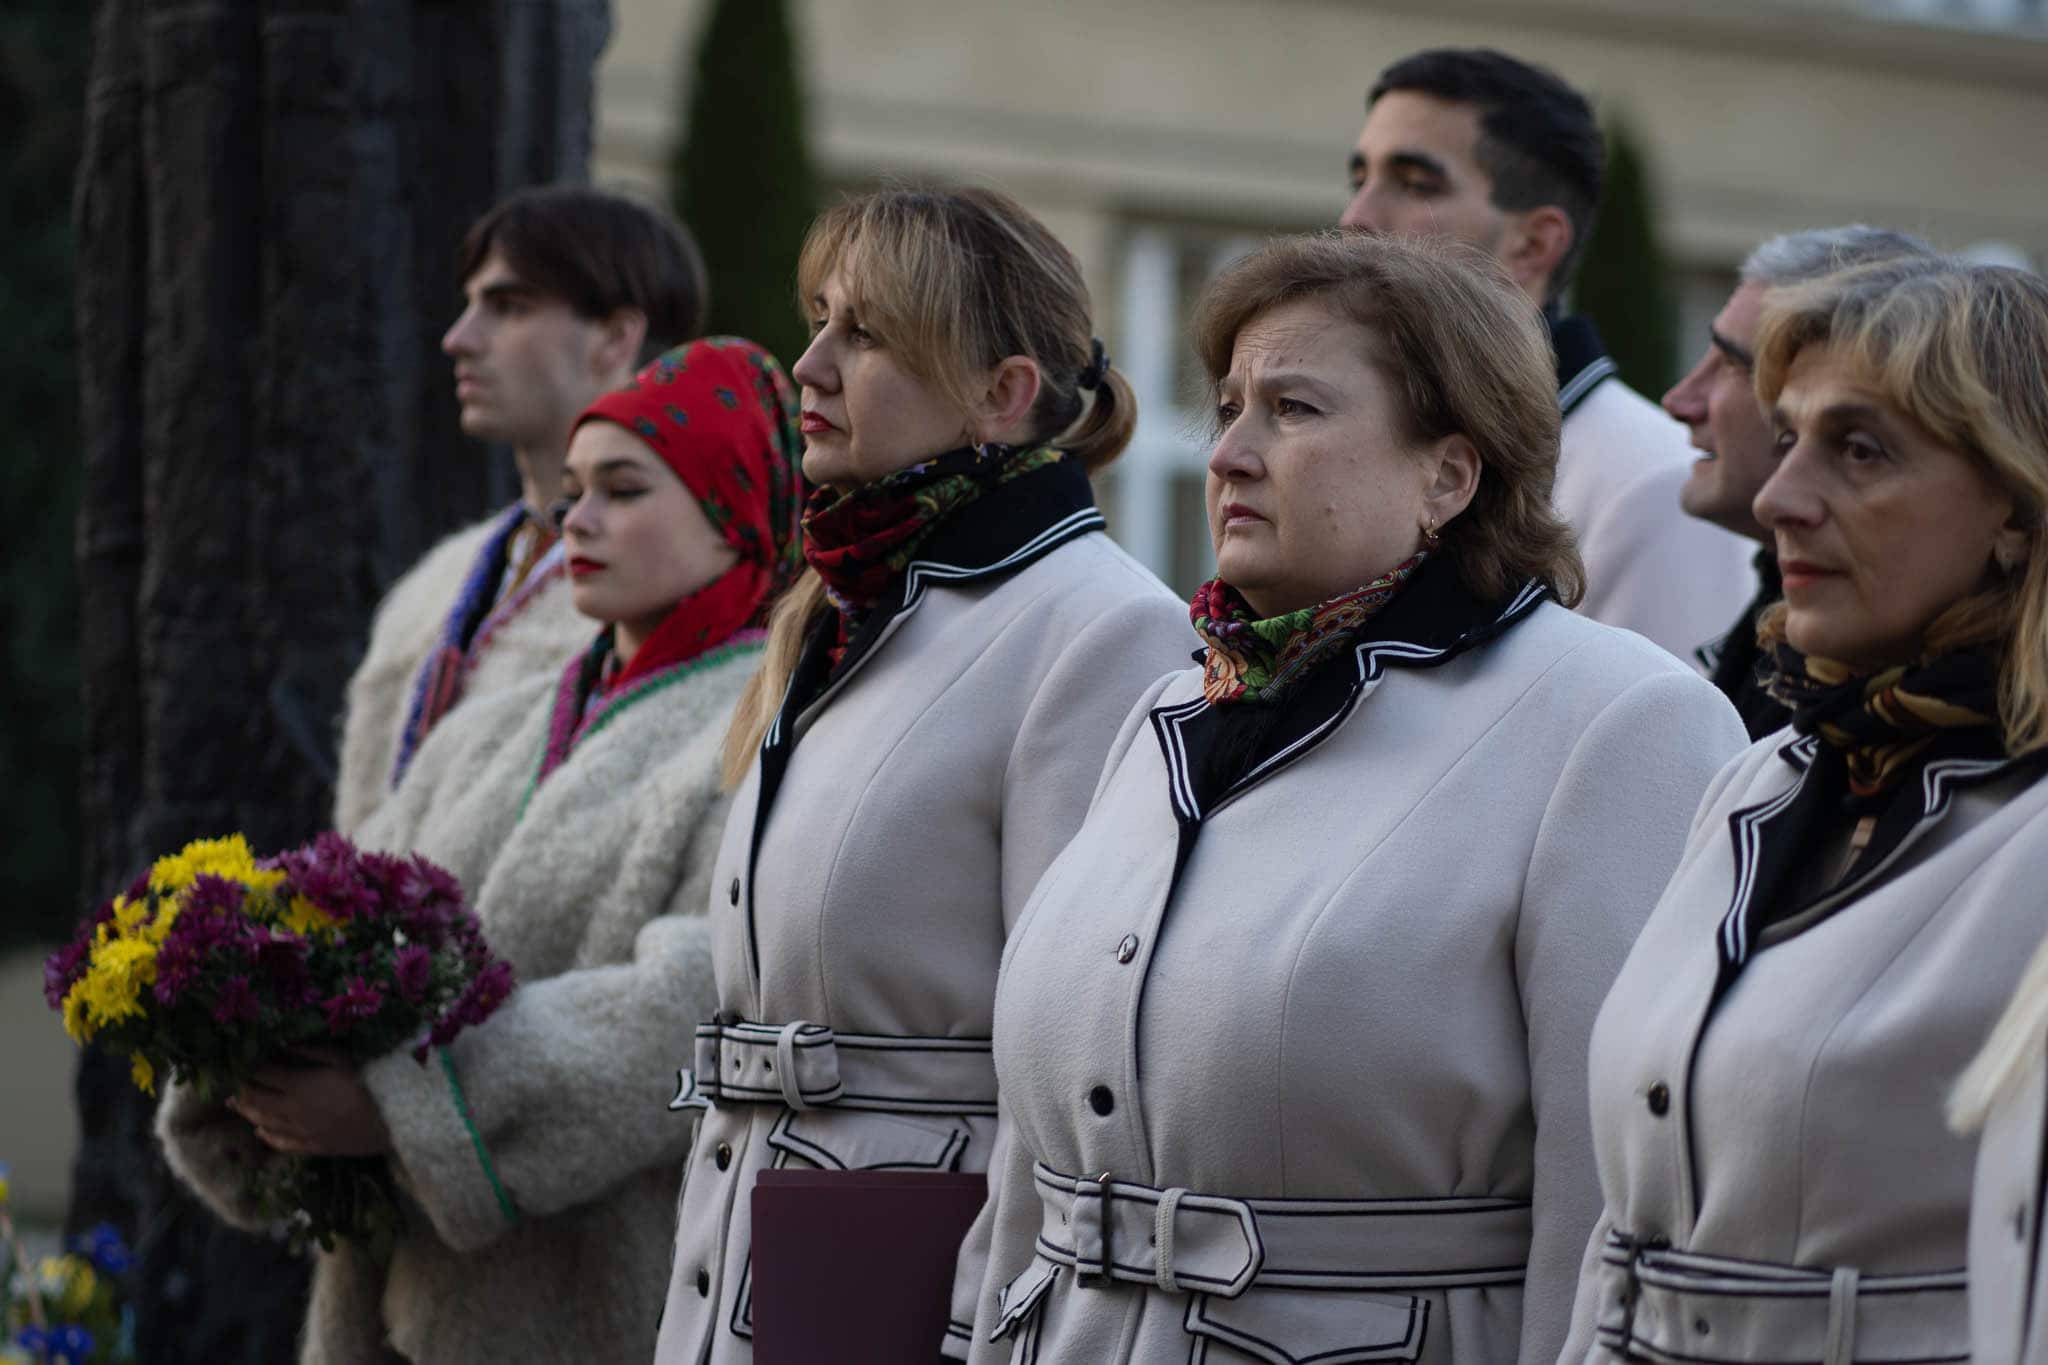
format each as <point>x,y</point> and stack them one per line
<point>742,177</point>
<point>44,46</point>
<point>1625,283</point>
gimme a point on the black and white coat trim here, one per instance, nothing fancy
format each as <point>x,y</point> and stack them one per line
<point>1770,1073</point>
<point>900,809</point>
<point>1292,1056</point>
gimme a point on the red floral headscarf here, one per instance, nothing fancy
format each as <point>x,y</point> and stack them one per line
<point>721,414</point>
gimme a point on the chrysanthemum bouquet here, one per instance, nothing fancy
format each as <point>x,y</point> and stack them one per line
<point>214,964</point>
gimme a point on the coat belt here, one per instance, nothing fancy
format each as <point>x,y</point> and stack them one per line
<point>802,1065</point>
<point>1180,1240</point>
<point>1665,1305</point>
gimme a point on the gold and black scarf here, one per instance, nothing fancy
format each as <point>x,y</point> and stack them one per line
<point>1885,724</point>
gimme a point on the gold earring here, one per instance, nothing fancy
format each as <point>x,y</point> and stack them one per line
<point>1430,538</point>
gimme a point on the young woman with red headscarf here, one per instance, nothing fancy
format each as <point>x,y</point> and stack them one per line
<point>582,813</point>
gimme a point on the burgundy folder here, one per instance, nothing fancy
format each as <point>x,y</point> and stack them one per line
<point>854,1267</point>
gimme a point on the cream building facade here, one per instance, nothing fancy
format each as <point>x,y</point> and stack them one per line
<point>1160,137</point>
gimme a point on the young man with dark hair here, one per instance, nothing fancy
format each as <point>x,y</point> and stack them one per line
<point>1476,145</point>
<point>567,291</point>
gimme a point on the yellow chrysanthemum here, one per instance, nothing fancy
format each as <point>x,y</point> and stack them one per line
<point>129,915</point>
<point>136,919</point>
<point>77,1023</point>
<point>142,1073</point>
<point>159,927</point>
<point>228,857</point>
<point>307,919</point>
<point>114,983</point>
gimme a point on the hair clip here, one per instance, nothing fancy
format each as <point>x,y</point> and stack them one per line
<point>1098,365</point>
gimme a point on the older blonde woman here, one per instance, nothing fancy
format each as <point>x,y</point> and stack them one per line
<point>1291,1038</point>
<point>1860,892</point>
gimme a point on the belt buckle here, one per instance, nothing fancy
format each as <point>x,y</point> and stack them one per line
<point>1089,1279</point>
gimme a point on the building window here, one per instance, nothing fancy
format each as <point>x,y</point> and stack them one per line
<point>1153,495</point>
<point>1995,14</point>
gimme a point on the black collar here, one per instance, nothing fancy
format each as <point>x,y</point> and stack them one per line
<point>1738,667</point>
<point>1582,362</point>
<point>1214,753</point>
<point>1775,839</point>
<point>990,538</point>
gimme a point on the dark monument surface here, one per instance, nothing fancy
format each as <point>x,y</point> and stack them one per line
<point>268,209</point>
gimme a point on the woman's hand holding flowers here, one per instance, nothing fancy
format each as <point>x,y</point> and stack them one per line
<point>323,1109</point>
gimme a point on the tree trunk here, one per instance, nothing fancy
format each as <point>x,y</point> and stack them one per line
<point>268,211</point>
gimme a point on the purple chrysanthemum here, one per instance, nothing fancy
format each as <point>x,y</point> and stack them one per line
<point>237,1002</point>
<point>413,969</point>
<point>62,969</point>
<point>210,893</point>
<point>358,1003</point>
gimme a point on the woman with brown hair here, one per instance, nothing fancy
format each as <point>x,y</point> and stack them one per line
<point>1291,1038</point>
<point>937,695</point>
<point>1859,895</point>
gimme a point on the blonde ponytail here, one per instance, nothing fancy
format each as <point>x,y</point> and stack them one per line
<point>2018,1044</point>
<point>788,623</point>
<point>1105,425</point>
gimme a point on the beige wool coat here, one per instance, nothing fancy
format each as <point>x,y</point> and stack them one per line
<point>529,634</point>
<point>553,1243</point>
<point>1323,1029</point>
<point>866,886</point>
<point>1769,1098</point>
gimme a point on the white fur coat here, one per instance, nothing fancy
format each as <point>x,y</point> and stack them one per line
<point>534,639</point>
<point>596,894</point>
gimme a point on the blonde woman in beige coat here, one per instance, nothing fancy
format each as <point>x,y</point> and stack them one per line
<point>537,1164</point>
<point>1290,1040</point>
<point>939,694</point>
<point>1860,891</point>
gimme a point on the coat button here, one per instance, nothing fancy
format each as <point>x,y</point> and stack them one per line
<point>1100,1100</point>
<point>734,892</point>
<point>703,1283</point>
<point>723,1156</point>
<point>1127,949</point>
<point>1660,1099</point>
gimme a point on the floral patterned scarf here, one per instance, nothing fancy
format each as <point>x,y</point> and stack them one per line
<point>722,415</point>
<point>1255,660</point>
<point>861,541</point>
<point>1884,722</point>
